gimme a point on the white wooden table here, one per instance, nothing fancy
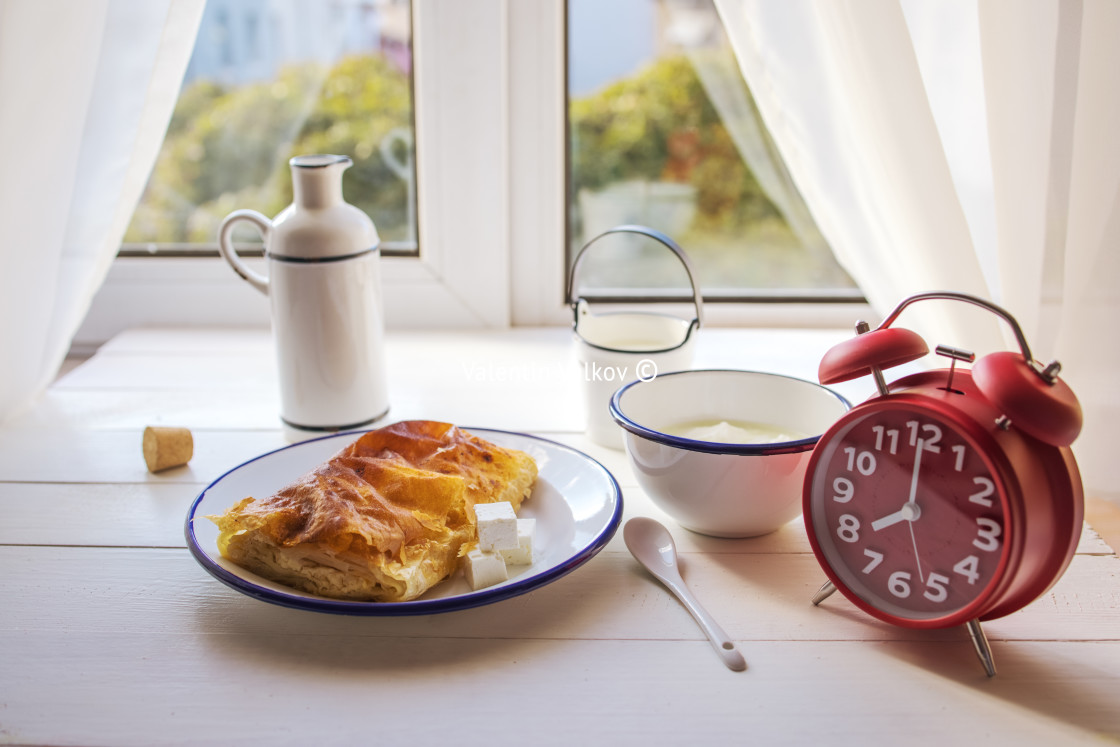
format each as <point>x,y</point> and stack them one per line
<point>111,633</point>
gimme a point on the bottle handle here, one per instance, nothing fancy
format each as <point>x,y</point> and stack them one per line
<point>225,245</point>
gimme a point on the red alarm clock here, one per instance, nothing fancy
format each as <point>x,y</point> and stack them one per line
<point>951,496</point>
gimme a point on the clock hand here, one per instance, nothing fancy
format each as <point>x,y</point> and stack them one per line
<point>911,502</point>
<point>914,475</point>
<point>917,558</point>
<point>908,512</point>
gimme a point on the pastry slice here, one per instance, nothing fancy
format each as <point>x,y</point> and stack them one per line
<point>383,520</point>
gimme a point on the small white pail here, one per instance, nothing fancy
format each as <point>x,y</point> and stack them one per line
<point>617,347</point>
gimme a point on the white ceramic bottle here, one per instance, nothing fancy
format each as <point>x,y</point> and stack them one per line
<point>324,284</point>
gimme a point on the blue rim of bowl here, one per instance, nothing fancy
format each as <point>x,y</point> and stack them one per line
<point>416,607</point>
<point>714,447</point>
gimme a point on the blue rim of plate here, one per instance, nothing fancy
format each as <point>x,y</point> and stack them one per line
<point>416,607</point>
<point>716,447</point>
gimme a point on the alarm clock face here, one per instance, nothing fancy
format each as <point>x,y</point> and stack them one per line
<point>906,512</point>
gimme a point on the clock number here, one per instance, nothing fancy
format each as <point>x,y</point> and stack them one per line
<point>931,435</point>
<point>848,529</point>
<point>969,568</point>
<point>986,489</point>
<point>844,489</point>
<point>876,559</point>
<point>959,450</point>
<point>936,591</point>
<point>931,441</point>
<point>899,584</point>
<point>986,532</point>
<point>864,461</point>
<point>891,435</point>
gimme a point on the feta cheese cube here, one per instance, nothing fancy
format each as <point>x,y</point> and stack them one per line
<point>484,569</point>
<point>523,553</point>
<point>497,526</point>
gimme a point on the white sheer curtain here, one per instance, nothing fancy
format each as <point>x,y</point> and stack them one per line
<point>86,91</point>
<point>719,74</point>
<point>966,145</point>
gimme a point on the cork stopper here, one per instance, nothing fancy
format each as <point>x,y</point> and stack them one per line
<point>167,447</point>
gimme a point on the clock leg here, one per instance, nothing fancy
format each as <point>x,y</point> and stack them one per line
<point>823,593</point>
<point>983,650</point>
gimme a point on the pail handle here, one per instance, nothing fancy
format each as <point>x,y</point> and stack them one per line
<point>697,299</point>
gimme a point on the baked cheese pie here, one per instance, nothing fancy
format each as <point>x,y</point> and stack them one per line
<point>383,520</point>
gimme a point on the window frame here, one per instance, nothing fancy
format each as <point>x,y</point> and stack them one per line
<point>490,96</point>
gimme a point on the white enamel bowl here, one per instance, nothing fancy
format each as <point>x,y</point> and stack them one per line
<point>724,490</point>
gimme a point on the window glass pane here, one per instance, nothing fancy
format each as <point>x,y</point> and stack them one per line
<point>664,132</point>
<point>270,79</point>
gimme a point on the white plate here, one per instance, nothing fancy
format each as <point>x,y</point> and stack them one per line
<point>576,502</point>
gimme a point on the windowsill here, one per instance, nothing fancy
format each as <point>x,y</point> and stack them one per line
<point>431,368</point>
<point>439,373</point>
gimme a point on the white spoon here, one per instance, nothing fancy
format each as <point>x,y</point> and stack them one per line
<point>652,545</point>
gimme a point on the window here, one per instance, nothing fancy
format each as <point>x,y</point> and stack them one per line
<point>318,78</point>
<point>663,132</point>
<point>477,237</point>
<point>469,207</point>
